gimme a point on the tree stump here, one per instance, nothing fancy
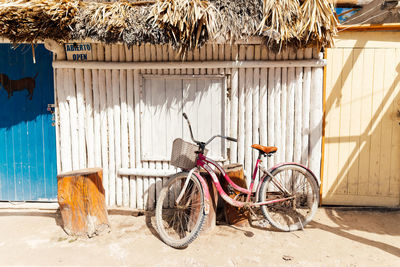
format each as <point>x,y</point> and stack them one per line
<point>82,202</point>
<point>234,215</point>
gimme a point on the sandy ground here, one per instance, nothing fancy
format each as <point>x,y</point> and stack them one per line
<point>337,237</point>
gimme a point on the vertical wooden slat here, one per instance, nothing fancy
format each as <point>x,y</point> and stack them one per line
<point>209,56</point>
<point>290,111</point>
<point>234,114</point>
<point>386,118</point>
<point>263,99</point>
<point>71,97</point>
<point>241,104</point>
<point>271,107</point>
<point>56,123</point>
<point>89,116</point>
<point>159,165</point>
<point>278,136</point>
<point>316,117</point>
<point>139,180</point>
<point>298,106</point>
<point>248,114</point>
<point>81,117</point>
<point>149,182</point>
<point>334,87</point>
<point>96,110</point>
<point>65,132</point>
<point>284,107</point>
<point>202,58</point>
<point>196,57</point>
<point>101,51</point>
<point>306,109</point>
<point>365,121</point>
<point>124,188</point>
<point>256,102</point>
<point>355,124</point>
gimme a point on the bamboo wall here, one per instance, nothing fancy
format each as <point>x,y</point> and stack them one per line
<point>98,113</point>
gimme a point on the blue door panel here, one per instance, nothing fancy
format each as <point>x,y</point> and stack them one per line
<point>27,139</point>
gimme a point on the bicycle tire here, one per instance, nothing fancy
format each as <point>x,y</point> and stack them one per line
<point>292,214</point>
<point>177,225</point>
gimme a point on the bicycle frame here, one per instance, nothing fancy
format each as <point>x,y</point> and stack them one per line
<point>204,162</point>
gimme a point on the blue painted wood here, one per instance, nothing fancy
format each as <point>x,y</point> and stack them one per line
<point>27,139</point>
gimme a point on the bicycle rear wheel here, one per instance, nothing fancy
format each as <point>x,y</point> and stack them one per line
<point>178,224</point>
<point>292,214</point>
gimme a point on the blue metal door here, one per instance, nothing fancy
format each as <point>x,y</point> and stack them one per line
<point>27,138</point>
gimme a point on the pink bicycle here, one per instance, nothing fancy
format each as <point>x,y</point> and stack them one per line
<point>288,193</point>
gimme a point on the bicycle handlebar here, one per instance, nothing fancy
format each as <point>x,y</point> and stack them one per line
<point>209,140</point>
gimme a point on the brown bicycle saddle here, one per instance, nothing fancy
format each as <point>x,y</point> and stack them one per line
<point>265,149</point>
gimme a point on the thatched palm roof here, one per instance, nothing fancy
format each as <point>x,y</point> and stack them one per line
<point>183,23</point>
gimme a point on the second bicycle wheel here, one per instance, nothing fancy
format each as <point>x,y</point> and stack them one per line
<point>303,198</point>
<point>178,224</point>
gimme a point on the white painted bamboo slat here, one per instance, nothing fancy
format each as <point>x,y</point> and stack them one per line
<point>316,118</point>
<point>234,114</point>
<point>139,180</point>
<point>96,119</point>
<point>159,165</point>
<point>89,134</point>
<point>248,116</point>
<point>256,110</point>
<point>65,132</point>
<point>80,94</point>
<point>263,99</point>
<point>306,109</point>
<point>298,106</point>
<point>271,108</point>
<point>284,107</point>
<point>104,130</point>
<point>124,135</point>
<point>148,182</point>
<point>241,104</point>
<point>277,114</point>
<point>56,120</point>
<point>290,112</point>
<point>117,126</point>
<point>71,98</point>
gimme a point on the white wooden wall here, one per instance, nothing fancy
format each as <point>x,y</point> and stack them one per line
<point>99,114</point>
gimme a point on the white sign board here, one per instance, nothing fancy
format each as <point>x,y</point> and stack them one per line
<point>78,51</point>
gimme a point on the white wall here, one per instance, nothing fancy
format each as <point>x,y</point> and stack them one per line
<point>99,113</point>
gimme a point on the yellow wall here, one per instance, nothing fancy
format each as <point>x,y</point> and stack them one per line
<point>362,131</point>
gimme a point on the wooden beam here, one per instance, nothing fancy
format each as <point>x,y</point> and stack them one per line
<point>370,27</point>
<point>189,65</point>
<point>351,3</point>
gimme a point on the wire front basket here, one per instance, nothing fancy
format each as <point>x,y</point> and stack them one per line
<point>184,154</point>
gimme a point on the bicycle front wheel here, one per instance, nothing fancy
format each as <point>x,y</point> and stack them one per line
<point>179,223</point>
<point>302,193</point>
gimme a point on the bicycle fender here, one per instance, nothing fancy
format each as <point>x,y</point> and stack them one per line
<point>207,198</point>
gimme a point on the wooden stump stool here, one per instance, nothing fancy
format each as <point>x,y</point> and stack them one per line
<point>82,203</point>
<point>234,215</point>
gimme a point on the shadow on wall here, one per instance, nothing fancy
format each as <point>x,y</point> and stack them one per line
<point>22,82</point>
<point>362,144</point>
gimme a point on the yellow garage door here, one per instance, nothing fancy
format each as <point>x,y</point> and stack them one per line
<point>362,130</point>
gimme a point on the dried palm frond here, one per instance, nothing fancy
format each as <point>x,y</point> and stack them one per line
<point>319,23</point>
<point>102,21</point>
<point>279,20</point>
<point>188,23</point>
<point>239,19</point>
<point>28,21</point>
